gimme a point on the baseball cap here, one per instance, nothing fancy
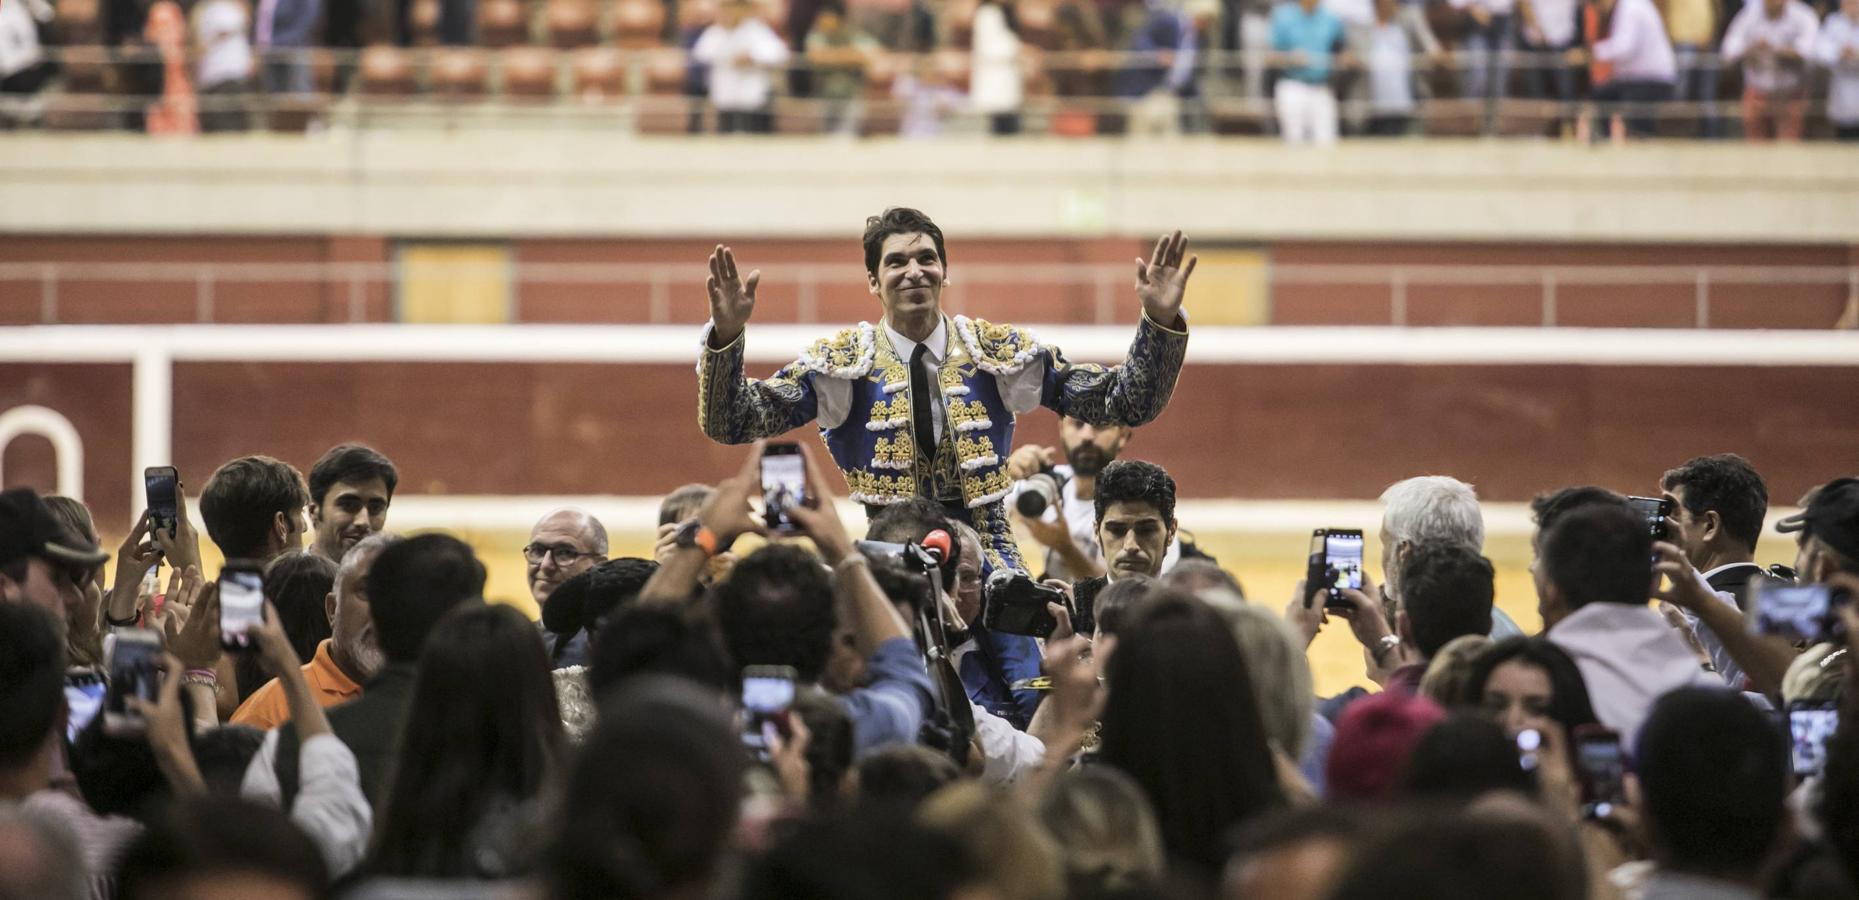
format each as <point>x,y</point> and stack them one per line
<point>28,528</point>
<point>1798,521</point>
<point>1832,515</point>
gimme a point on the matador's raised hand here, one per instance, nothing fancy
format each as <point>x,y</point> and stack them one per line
<point>1163,280</point>
<point>732,299</point>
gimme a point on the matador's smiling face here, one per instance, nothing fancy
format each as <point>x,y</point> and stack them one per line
<point>910,277</point>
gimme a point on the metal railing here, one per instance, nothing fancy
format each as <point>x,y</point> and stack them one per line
<point>347,288</point>
<point>532,83</point>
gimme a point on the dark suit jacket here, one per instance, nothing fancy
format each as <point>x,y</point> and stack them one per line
<point>369,725</point>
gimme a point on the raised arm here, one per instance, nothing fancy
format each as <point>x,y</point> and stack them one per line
<point>1136,391</point>
<point>731,407</point>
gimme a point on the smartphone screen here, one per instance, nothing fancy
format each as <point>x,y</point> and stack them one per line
<point>1602,767</point>
<point>1654,511</point>
<point>767,694</point>
<point>162,484</point>
<point>241,604</point>
<point>1342,560</point>
<point>784,484</point>
<point>84,698</point>
<point>1810,724</point>
<point>1802,612</point>
<point>134,672</point>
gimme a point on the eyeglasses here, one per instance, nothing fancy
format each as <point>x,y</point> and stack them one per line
<point>564,554</point>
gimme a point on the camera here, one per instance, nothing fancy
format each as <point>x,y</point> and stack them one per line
<point>1016,604</point>
<point>1040,493</point>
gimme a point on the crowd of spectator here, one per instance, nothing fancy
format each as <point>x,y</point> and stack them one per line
<point>1321,68</point>
<point>1675,730</point>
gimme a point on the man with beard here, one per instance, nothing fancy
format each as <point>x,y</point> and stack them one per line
<point>345,661</point>
<point>1068,530</point>
<point>350,489</point>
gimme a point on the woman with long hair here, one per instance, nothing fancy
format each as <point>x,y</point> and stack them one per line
<point>483,736</point>
<point>1528,683</point>
<point>1182,719</point>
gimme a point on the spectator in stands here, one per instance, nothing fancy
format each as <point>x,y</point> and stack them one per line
<point>1637,56</point>
<point>579,608</point>
<point>23,66</point>
<point>1388,50</point>
<point>1772,41</point>
<point>1593,578</point>
<point>1692,25</point>
<point>411,585</point>
<point>1550,29</point>
<point>1713,778</point>
<point>742,53</point>
<point>223,77</point>
<point>283,32</point>
<point>563,544</point>
<point>1837,48</point>
<point>351,487</point>
<point>839,54</point>
<point>1527,683</point>
<point>994,81</point>
<point>483,736</point>
<point>340,665</point>
<point>298,585</point>
<point>661,823</point>
<point>1304,42</point>
<point>1081,30</point>
<point>1204,785</point>
<point>253,508</point>
<point>1490,40</point>
<point>1160,79</point>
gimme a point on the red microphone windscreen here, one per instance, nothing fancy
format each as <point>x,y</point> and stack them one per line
<point>938,541</point>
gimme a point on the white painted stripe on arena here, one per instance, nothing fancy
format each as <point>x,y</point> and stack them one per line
<point>414,512</point>
<point>776,344</point>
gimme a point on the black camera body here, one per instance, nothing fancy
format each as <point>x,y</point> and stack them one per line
<point>1016,604</point>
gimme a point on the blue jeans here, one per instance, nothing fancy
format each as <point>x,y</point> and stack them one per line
<point>1697,83</point>
<point>1487,58</point>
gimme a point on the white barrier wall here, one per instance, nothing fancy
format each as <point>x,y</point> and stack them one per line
<point>538,183</point>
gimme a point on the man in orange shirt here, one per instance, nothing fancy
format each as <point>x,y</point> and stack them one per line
<point>345,661</point>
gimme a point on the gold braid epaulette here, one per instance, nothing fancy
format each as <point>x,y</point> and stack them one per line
<point>997,349</point>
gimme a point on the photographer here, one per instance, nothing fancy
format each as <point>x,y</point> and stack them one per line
<point>779,607</point>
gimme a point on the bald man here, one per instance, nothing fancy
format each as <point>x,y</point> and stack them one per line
<point>564,544</point>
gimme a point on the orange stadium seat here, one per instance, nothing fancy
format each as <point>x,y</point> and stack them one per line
<point>1039,23</point>
<point>599,75</point>
<point>502,23</point>
<point>664,109</point>
<point>78,22</point>
<point>528,73</point>
<point>638,24</point>
<point>460,73</point>
<point>572,23</point>
<point>386,71</point>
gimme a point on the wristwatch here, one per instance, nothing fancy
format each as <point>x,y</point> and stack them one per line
<point>1385,646</point>
<point>694,534</point>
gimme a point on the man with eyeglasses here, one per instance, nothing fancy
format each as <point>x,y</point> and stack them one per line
<point>563,544</point>
<point>41,562</point>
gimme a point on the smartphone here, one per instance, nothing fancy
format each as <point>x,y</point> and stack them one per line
<point>132,656</point>
<point>1810,724</point>
<point>1601,767</point>
<point>1655,510</point>
<point>767,698</point>
<point>241,602</point>
<point>784,484</point>
<point>163,486</point>
<point>1529,749</point>
<point>84,694</point>
<point>1808,612</point>
<point>1335,564</point>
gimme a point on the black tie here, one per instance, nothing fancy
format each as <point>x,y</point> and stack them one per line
<point>920,404</point>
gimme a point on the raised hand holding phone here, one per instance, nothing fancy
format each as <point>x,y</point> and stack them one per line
<point>241,602</point>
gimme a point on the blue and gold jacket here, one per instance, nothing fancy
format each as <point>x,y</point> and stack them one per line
<point>989,374</point>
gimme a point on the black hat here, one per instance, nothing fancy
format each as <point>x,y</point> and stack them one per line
<point>1832,515</point>
<point>28,528</point>
<point>1798,521</point>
